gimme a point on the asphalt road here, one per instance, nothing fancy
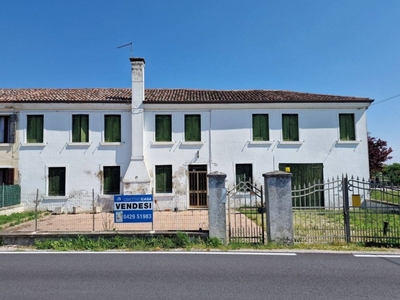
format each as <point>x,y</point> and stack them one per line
<point>122,275</point>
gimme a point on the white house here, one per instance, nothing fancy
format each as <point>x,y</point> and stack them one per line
<point>71,143</point>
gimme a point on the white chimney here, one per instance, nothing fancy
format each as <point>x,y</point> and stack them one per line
<point>136,179</point>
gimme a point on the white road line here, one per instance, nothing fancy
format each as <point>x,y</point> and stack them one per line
<point>156,253</point>
<point>378,255</point>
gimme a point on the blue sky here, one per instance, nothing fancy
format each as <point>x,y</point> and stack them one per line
<point>341,47</point>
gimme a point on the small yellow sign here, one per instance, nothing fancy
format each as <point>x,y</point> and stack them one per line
<point>287,169</point>
<point>356,200</point>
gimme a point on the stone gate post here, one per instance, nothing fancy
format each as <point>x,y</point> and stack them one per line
<point>278,200</point>
<point>216,206</point>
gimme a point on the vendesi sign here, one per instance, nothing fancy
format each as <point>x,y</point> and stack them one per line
<point>133,208</point>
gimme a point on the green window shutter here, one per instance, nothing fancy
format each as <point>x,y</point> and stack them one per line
<point>80,128</point>
<point>34,132</point>
<point>111,180</point>
<point>260,127</point>
<point>244,172</point>
<point>346,127</point>
<point>163,179</point>
<point>57,181</point>
<point>290,127</point>
<point>192,128</point>
<point>112,130</point>
<point>163,128</point>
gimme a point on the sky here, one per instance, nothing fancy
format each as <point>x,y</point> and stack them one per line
<point>341,47</point>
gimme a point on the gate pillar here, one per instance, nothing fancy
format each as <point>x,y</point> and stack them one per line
<point>216,206</point>
<point>278,200</point>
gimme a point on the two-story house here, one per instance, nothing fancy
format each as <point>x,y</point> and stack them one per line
<point>73,143</point>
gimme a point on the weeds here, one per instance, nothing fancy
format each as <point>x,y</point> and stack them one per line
<point>181,240</point>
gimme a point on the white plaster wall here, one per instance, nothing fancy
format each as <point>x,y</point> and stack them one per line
<point>318,134</point>
<point>83,162</point>
<point>178,153</point>
<point>229,143</point>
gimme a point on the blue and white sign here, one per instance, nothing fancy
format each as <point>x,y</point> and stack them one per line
<point>133,208</point>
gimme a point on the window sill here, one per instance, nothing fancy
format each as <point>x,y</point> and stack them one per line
<point>107,197</point>
<point>111,143</point>
<point>261,143</point>
<point>163,143</point>
<point>55,197</point>
<point>6,144</point>
<point>197,143</point>
<point>348,142</point>
<point>34,144</point>
<point>75,144</point>
<point>291,142</point>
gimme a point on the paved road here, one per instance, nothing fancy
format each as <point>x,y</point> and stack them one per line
<point>116,275</point>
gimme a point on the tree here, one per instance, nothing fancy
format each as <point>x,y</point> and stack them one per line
<point>378,153</point>
<point>393,173</point>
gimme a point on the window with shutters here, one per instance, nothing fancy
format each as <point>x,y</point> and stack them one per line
<point>244,173</point>
<point>163,128</point>
<point>56,181</point>
<point>347,127</point>
<point>7,129</point>
<point>290,127</point>
<point>192,128</point>
<point>111,180</point>
<point>260,127</point>
<point>112,128</point>
<point>164,179</point>
<point>80,128</point>
<point>34,129</point>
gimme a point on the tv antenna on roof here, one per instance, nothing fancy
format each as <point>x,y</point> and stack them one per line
<point>130,44</point>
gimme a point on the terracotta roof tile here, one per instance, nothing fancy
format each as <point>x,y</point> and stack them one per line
<point>123,95</point>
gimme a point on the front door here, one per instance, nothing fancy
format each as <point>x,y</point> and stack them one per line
<point>198,186</point>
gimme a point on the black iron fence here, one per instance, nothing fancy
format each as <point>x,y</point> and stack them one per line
<point>347,210</point>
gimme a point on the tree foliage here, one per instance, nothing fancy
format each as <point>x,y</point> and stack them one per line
<point>378,152</point>
<point>393,173</point>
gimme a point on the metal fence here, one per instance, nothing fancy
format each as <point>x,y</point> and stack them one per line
<point>10,195</point>
<point>95,215</point>
<point>346,210</point>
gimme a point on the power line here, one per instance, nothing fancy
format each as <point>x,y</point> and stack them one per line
<point>387,99</point>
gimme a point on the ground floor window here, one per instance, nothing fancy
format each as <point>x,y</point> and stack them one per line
<point>6,176</point>
<point>111,180</point>
<point>164,179</point>
<point>56,181</point>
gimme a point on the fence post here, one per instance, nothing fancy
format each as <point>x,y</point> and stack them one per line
<point>2,196</point>
<point>216,206</point>
<point>346,209</point>
<point>93,220</point>
<point>278,201</point>
<point>36,211</point>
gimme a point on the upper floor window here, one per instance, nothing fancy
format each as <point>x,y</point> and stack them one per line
<point>346,127</point>
<point>192,128</point>
<point>34,129</point>
<point>260,127</point>
<point>80,128</point>
<point>111,180</point>
<point>7,129</point>
<point>290,127</point>
<point>163,128</point>
<point>164,179</point>
<point>112,128</point>
<point>56,181</point>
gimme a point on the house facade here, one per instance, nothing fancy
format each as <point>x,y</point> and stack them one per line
<point>73,146</point>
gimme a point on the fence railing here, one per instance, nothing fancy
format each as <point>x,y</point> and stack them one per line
<point>347,210</point>
<point>10,195</point>
<point>93,214</point>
